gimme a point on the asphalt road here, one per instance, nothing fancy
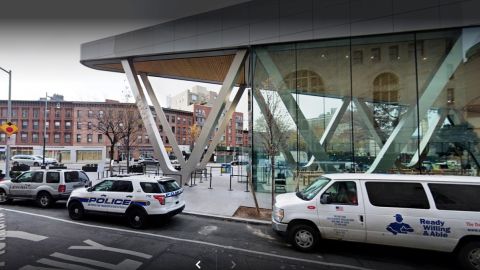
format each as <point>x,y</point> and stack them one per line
<point>48,239</point>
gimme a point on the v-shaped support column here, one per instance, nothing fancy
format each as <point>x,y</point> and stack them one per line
<point>147,116</point>
<point>163,120</point>
<point>215,113</point>
<point>223,122</point>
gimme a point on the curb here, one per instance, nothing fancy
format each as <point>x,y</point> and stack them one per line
<point>234,219</point>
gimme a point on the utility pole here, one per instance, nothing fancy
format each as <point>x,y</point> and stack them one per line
<point>9,119</point>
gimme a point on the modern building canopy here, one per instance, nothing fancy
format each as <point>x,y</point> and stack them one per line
<point>370,86</point>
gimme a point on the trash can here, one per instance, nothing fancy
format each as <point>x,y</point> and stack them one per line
<point>226,168</point>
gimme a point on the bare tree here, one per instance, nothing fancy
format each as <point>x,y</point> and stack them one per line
<point>118,126</point>
<point>272,126</point>
<point>131,128</point>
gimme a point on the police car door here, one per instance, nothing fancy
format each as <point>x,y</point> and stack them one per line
<point>99,195</point>
<point>341,212</point>
<point>120,197</point>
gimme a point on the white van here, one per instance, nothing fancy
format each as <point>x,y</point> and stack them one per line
<point>432,212</point>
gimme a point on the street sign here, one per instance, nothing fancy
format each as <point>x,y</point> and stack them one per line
<point>9,128</point>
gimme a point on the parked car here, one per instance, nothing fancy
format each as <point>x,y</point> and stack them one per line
<point>176,164</point>
<point>239,162</point>
<point>29,160</point>
<point>147,161</point>
<point>48,160</point>
<point>439,213</point>
<point>44,186</point>
<point>137,197</point>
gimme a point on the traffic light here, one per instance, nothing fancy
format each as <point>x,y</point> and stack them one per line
<point>9,128</point>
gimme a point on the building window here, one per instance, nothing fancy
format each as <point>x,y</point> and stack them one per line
<point>67,137</point>
<point>100,114</point>
<point>57,113</point>
<point>147,140</point>
<point>47,137</point>
<point>36,113</point>
<point>24,124</point>
<point>100,138</point>
<point>168,118</point>
<point>79,138</point>
<point>68,113</point>
<point>357,57</point>
<point>56,138</point>
<point>89,138</point>
<point>35,125</point>
<point>385,87</point>
<point>24,113</point>
<point>89,125</point>
<point>89,155</point>
<point>47,124</point>
<point>79,125</point>
<point>305,80</point>
<point>68,124</point>
<point>57,124</point>
<point>24,137</point>
<point>34,137</point>
<point>173,119</point>
<point>393,53</point>
<point>79,113</point>
<point>90,113</point>
<point>3,137</point>
<point>14,113</point>
<point>375,55</point>
<point>139,138</point>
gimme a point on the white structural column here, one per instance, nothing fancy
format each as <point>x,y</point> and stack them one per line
<point>404,130</point>
<point>365,114</point>
<point>223,122</point>
<point>147,117</point>
<point>312,143</point>
<point>163,120</point>
<point>434,126</point>
<point>215,113</point>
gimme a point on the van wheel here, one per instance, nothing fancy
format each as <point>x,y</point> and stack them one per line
<point>303,237</point>
<point>137,218</point>
<point>469,255</point>
<point>76,210</point>
<point>36,164</point>
<point>3,197</point>
<point>44,200</point>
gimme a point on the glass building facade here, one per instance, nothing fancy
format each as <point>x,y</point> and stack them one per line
<point>403,103</point>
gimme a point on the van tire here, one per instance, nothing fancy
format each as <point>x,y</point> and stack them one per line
<point>303,237</point>
<point>76,210</point>
<point>469,255</point>
<point>44,199</point>
<point>36,164</point>
<point>4,195</point>
<point>137,218</point>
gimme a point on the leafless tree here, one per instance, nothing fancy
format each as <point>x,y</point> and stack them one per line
<point>132,128</point>
<point>272,126</point>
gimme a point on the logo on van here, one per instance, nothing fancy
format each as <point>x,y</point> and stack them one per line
<point>399,226</point>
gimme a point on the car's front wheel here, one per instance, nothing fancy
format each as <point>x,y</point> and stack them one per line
<point>76,210</point>
<point>44,200</point>
<point>303,237</point>
<point>137,218</point>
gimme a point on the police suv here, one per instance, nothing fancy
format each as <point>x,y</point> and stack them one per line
<point>432,212</point>
<point>135,196</point>
<point>44,186</point>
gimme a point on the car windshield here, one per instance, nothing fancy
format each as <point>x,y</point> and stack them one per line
<point>169,186</point>
<point>312,190</point>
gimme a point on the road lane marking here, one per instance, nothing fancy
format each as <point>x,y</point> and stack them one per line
<point>126,264</point>
<point>25,236</point>
<point>96,246</point>
<point>60,265</point>
<point>195,242</point>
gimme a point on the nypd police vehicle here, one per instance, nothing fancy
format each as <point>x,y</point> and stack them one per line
<point>433,212</point>
<point>137,197</point>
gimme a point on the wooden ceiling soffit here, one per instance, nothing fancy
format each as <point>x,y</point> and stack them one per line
<point>204,69</point>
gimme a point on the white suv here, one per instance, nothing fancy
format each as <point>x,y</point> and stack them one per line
<point>135,196</point>
<point>44,186</point>
<point>27,160</point>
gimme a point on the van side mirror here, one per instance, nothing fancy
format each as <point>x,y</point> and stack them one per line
<point>89,189</point>
<point>325,199</point>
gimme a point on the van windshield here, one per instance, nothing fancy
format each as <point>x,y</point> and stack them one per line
<point>312,190</point>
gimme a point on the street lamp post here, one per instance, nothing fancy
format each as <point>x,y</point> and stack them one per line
<point>45,128</point>
<point>9,118</point>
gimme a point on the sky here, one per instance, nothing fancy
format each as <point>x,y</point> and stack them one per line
<point>41,45</point>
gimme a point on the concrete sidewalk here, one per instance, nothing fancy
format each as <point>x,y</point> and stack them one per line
<point>219,201</point>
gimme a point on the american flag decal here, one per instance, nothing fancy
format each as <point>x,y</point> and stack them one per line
<point>339,208</point>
